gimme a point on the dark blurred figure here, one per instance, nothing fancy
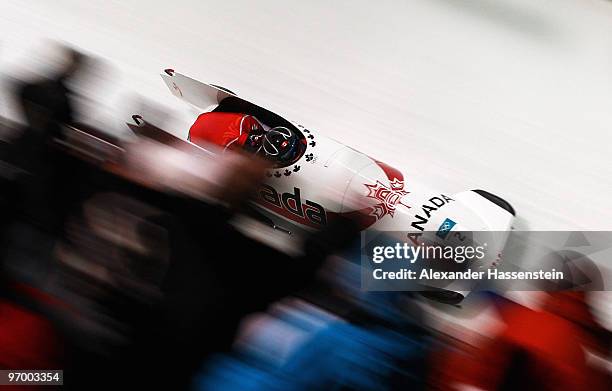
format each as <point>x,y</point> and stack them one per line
<point>47,106</point>
<point>217,276</point>
<point>46,103</point>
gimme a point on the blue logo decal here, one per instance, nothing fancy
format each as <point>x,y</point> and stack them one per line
<point>445,228</point>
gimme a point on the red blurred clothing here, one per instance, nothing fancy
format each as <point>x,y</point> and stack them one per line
<point>28,340</point>
<point>228,130</point>
<point>541,350</point>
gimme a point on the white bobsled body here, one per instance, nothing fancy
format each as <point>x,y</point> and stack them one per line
<point>332,179</point>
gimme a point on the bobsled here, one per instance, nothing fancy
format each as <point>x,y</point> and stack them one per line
<point>307,167</point>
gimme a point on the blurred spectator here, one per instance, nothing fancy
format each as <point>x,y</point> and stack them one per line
<point>216,277</point>
<point>47,105</point>
<point>370,340</point>
<point>536,349</point>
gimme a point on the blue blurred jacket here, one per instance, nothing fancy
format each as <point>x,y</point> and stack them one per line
<point>373,356</point>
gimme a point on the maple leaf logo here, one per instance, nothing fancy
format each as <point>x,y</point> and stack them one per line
<point>389,197</point>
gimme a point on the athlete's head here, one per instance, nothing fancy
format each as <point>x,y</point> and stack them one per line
<point>254,142</point>
<point>280,144</point>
